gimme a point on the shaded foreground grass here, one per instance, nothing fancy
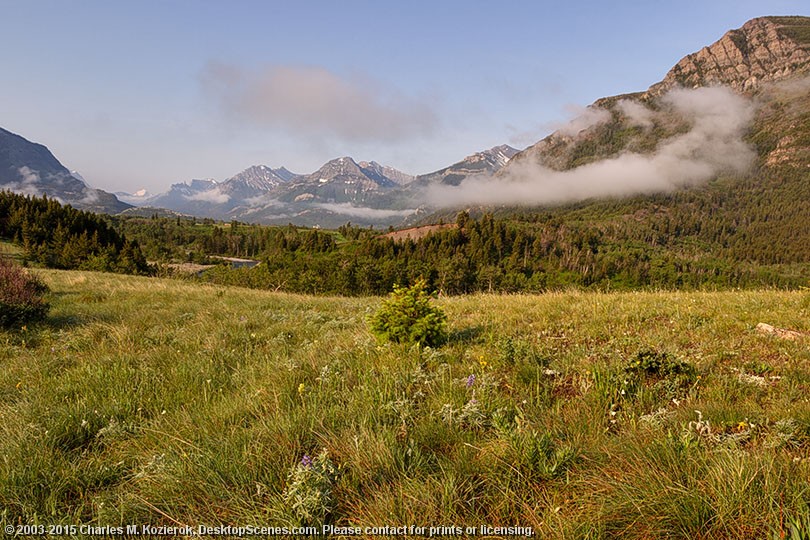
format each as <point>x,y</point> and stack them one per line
<point>150,401</point>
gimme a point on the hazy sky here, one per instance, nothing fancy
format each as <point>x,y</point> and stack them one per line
<point>147,93</point>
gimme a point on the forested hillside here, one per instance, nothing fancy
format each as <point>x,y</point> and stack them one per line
<point>60,236</point>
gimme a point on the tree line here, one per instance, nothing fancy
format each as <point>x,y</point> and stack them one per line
<point>59,236</point>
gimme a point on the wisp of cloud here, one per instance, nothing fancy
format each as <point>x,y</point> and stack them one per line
<point>718,119</point>
<point>314,102</point>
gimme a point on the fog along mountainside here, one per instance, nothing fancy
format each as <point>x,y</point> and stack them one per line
<point>701,180</point>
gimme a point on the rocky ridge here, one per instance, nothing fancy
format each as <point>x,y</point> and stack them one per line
<point>766,49</point>
<point>765,56</point>
<point>486,162</point>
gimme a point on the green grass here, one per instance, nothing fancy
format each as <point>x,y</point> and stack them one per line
<point>156,401</point>
<point>7,249</point>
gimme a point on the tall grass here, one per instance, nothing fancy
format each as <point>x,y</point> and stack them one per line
<point>149,401</point>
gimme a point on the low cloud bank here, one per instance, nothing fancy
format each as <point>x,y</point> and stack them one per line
<point>364,212</point>
<point>212,196</point>
<point>718,119</point>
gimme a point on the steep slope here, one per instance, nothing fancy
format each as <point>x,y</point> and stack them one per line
<point>31,169</point>
<point>764,50</point>
<point>398,177</point>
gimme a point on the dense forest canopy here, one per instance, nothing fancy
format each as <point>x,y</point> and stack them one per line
<point>59,236</point>
<point>688,239</point>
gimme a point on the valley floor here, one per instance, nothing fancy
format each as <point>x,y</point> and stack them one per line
<point>577,415</point>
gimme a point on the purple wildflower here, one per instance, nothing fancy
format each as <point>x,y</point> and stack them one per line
<point>306,461</point>
<point>471,380</point>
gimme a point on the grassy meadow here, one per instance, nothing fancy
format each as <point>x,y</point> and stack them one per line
<point>580,415</point>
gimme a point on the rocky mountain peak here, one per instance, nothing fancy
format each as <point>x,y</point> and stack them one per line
<point>255,180</point>
<point>763,50</point>
<point>347,170</point>
<point>484,163</point>
<point>500,154</point>
<point>200,184</point>
<point>343,166</point>
<point>372,169</point>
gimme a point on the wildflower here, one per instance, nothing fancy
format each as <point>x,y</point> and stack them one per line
<point>301,388</point>
<point>308,494</point>
<point>471,380</point>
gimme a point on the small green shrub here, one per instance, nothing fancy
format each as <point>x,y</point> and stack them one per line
<point>659,365</point>
<point>408,316</point>
<point>21,296</point>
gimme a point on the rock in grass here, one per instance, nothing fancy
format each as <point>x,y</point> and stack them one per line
<point>783,333</point>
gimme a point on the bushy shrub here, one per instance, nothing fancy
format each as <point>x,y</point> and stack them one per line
<point>21,296</point>
<point>408,316</point>
<point>665,376</point>
<point>659,365</point>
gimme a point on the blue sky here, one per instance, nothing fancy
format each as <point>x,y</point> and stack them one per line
<point>149,93</point>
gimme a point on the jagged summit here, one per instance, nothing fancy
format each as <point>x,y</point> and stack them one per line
<point>254,181</point>
<point>487,162</point>
<point>365,174</point>
<point>337,168</point>
<point>391,173</point>
<point>765,49</point>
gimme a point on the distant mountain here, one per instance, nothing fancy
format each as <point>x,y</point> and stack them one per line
<point>340,180</point>
<point>484,163</point>
<point>341,190</point>
<point>201,197</point>
<point>30,168</point>
<point>255,181</point>
<point>392,174</point>
<point>137,198</point>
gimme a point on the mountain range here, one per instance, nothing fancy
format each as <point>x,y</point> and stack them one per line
<point>364,192</point>
<point>343,189</point>
<point>735,106</point>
